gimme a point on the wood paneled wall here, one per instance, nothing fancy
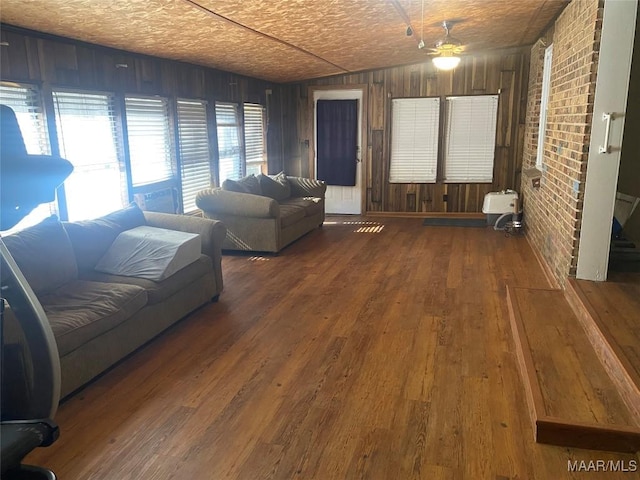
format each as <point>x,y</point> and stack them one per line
<point>504,73</point>
<point>50,62</point>
<point>57,62</point>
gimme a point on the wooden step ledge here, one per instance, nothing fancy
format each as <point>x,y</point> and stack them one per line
<point>623,374</point>
<point>561,420</point>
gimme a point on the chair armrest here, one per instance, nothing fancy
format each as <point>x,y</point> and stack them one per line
<point>307,187</point>
<point>217,200</point>
<point>212,233</point>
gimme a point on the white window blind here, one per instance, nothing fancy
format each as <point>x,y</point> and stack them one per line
<point>25,101</point>
<point>87,138</point>
<point>195,170</point>
<point>150,144</point>
<point>414,140</point>
<point>470,138</point>
<point>229,151</point>
<point>544,105</point>
<point>254,138</point>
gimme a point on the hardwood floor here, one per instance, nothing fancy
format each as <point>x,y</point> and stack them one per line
<point>572,397</point>
<point>371,348</point>
<point>617,304</point>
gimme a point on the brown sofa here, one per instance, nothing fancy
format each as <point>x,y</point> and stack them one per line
<point>99,318</point>
<point>263,213</point>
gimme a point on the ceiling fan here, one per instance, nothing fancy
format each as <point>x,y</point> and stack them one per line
<point>446,45</point>
<point>446,48</point>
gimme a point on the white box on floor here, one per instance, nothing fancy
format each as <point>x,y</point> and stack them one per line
<point>498,203</point>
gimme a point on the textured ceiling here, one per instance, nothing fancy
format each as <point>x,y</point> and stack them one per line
<point>286,40</point>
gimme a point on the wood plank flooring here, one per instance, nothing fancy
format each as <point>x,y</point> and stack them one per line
<point>617,304</point>
<point>371,348</point>
<point>572,399</point>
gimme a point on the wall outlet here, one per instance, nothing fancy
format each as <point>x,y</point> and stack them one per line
<point>445,198</point>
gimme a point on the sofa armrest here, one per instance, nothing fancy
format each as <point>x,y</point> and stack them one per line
<point>212,234</point>
<point>307,187</point>
<point>217,200</point>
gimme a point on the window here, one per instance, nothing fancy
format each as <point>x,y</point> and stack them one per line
<point>25,102</point>
<point>229,149</point>
<point>470,138</point>
<point>87,138</point>
<point>150,144</point>
<point>468,142</point>
<point>414,140</point>
<point>544,105</point>
<point>195,170</point>
<point>254,138</point>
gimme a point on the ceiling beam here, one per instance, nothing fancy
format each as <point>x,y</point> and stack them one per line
<point>261,34</point>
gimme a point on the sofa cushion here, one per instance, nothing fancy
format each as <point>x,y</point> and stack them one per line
<point>248,184</point>
<point>158,291</point>
<point>290,214</point>
<point>80,310</point>
<point>92,238</point>
<point>312,206</point>
<point>44,254</point>
<point>276,187</point>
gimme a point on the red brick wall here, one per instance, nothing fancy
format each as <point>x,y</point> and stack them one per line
<point>553,211</point>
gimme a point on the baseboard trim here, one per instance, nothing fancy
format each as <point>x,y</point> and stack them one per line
<point>425,214</point>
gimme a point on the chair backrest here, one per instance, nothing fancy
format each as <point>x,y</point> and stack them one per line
<point>11,140</point>
<point>26,180</point>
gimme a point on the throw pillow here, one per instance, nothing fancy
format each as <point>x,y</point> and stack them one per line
<point>234,186</point>
<point>252,184</point>
<point>276,187</point>
<point>248,184</point>
<point>91,238</point>
<point>44,254</point>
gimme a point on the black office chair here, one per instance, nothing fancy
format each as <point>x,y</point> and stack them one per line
<point>30,372</point>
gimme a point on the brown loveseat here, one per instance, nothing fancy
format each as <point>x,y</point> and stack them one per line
<point>264,213</point>
<point>99,318</point>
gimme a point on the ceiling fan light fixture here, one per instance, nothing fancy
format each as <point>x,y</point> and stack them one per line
<point>448,62</point>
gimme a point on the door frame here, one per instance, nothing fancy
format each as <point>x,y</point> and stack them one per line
<point>364,146</point>
<point>612,83</point>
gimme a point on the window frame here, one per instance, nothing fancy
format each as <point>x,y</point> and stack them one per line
<point>190,207</point>
<point>447,146</point>
<point>117,145</point>
<point>249,141</point>
<point>544,105</point>
<point>36,140</point>
<point>440,142</point>
<point>171,177</point>
<point>239,168</point>
<point>39,124</point>
<point>398,149</point>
